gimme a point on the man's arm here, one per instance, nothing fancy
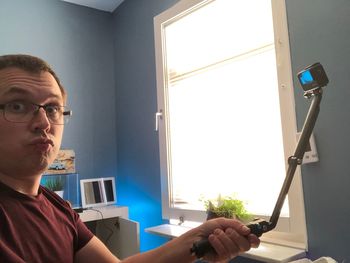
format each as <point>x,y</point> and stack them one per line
<point>95,251</point>
<point>228,237</point>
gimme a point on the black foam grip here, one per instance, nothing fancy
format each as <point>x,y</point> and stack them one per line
<point>256,229</point>
<point>201,248</point>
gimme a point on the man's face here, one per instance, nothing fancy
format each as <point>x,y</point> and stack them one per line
<point>28,148</point>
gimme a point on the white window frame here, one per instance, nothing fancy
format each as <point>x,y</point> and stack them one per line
<point>296,234</point>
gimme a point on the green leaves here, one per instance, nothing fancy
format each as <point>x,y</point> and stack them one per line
<point>228,207</point>
<point>55,184</point>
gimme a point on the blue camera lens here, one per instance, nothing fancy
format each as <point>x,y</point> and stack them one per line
<point>306,77</point>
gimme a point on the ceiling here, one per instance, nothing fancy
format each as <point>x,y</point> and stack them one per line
<point>104,5</point>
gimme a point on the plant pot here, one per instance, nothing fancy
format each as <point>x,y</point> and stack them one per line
<point>212,215</point>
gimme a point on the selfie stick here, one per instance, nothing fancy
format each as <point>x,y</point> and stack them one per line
<point>260,226</point>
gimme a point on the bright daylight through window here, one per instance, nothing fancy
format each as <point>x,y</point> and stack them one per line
<point>226,108</point>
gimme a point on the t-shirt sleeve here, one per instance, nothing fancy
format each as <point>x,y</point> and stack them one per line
<point>84,234</point>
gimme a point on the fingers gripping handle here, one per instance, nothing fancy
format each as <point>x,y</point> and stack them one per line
<point>259,227</point>
<point>203,246</point>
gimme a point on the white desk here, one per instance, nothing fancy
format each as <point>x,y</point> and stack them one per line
<point>120,235</point>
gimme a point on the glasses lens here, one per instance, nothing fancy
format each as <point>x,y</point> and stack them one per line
<point>18,111</point>
<point>57,114</point>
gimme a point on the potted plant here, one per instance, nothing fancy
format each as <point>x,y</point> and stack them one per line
<point>56,184</point>
<point>229,207</point>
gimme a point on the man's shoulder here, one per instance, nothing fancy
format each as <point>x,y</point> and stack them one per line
<point>53,197</point>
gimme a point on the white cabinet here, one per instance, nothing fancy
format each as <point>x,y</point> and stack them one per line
<point>120,235</point>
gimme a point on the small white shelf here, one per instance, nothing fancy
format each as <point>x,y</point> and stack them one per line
<point>266,252</point>
<point>168,230</point>
<point>125,240</point>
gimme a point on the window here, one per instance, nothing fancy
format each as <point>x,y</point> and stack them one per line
<point>226,110</point>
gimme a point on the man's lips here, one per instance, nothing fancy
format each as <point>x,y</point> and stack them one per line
<point>42,143</point>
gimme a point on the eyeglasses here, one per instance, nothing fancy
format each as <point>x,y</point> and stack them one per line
<point>23,111</point>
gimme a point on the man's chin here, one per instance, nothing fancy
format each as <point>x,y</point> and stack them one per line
<point>42,165</point>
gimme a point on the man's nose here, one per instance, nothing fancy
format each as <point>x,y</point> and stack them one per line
<point>40,120</point>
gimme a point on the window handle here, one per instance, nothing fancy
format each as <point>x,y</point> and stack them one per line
<point>158,117</point>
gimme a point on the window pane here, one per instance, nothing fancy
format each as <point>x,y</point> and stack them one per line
<point>217,31</point>
<point>226,134</point>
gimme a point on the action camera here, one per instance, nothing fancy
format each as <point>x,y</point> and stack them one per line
<point>313,77</point>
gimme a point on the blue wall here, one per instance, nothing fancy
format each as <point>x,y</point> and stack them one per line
<point>320,31</point>
<point>77,42</point>
<point>136,100</point>
<point>106,61</point>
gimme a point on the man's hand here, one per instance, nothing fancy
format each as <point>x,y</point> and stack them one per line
<point>228,237</point>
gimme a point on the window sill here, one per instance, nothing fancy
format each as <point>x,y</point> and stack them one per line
<point>266,252</point>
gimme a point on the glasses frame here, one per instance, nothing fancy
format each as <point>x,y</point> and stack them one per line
<point>67,113</point>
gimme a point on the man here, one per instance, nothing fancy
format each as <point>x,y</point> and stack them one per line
<point>35,224</point>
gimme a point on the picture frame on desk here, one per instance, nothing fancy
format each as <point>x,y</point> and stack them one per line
<point>98,192</point>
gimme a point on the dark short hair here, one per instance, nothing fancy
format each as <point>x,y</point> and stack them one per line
<point>30,64</point>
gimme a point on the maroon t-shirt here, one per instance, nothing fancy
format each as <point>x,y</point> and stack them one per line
<point>39,229</point>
